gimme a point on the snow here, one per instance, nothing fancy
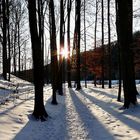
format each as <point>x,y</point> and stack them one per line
<point>89,114</point>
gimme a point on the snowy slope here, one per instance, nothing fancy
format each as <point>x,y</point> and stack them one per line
<point>88,114</point>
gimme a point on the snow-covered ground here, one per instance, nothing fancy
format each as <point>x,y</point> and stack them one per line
<point>89,114</point>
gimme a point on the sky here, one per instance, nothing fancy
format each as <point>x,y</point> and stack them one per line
<point>90,20</point>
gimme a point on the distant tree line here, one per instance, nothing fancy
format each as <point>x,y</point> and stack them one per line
<point>93,58</point>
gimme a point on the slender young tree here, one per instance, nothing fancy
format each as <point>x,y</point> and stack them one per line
<point>119,56</point>
<point>78,35</point>
<point>4,43</point>
<point>95,35</point>
<point>62,32</point>
<point>18,35</point>
<point>69,4</point>
<point>125,12</point>
<point>109,44</point>
<point>54,61</point>
<point>9,42</point>
<point>96,21</point>
<point>85,43</point>
<point>102,3</point>
<point>19,49</point>
<point>39,109</point>
<point>15,42</point>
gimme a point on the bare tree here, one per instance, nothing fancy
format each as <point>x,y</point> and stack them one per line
<point>39,109</point>
<point>119,57</point>
<point>62,33</point>
<point>4,43</point>
<point>95,35</point>
<point>102,3</point>
<point>78,35</point>
<point>9,42</point>
<point>125,12</point>
<point>54,61</point>
<point>41,4</point>
<point>69,4</point>
<point>15,43</point>
<point>85,43</point>
<point>109,45</point>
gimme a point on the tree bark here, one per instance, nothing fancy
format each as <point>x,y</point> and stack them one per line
<point>78,35</point>
<point>39,109</point>
<point>68,41</point>
<point>19,51</point>
<point>85,43</point>
<point>102,44</point>
<point>4,30</point>
<point>9,42</point>
<point>54,61</point>
<point>96,20</point>
<point>14,47</point>
<point>125,12</point>
<point>95,35</point>
<point>109,46</point>
<point>119,56</point>
<point>41,29</point>
<point>62,25</point>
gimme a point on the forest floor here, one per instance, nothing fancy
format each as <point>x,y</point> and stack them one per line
<point>89,114</point>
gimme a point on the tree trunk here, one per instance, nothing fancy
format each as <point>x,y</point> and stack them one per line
<point>109,46</point>
<point>25,57</point>
<point>41,29</point>
<point>18,28</point>
<point>4,30</point>
<point>78,35</point>
<point>46,58</point>
<point>39,109</point>
<point>85,43</point>
<point>68,41</point>
<point>9,42</point>
<point>102,43</point>
<point>60,87</point>
<point>120,75</point>
<point>96,20</point>
<point>54,61</point>
<point>95,34</point>
<point>119,56</point>
<point>15,41</point>
<point>125,12</point>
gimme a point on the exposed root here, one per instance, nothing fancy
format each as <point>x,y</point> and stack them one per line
<point>123,108</point>
<point>54,102</point>
<point>40,116</point>
<point>119,100</point>
<point>78,88</point>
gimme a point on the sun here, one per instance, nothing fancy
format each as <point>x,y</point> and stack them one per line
<point>64,53</point>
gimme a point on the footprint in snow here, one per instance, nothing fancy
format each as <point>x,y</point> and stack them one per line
<point>13,130</point>
<point>127,131</point>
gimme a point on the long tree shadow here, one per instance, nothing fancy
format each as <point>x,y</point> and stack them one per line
<point>115,104</point>
<point>120,116</point>
<point>52,129</point>
<point>106,96</point>
<point>89,121</point>
<point>102,93</point>
<point>14,106</point>
<point>111,96</point>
